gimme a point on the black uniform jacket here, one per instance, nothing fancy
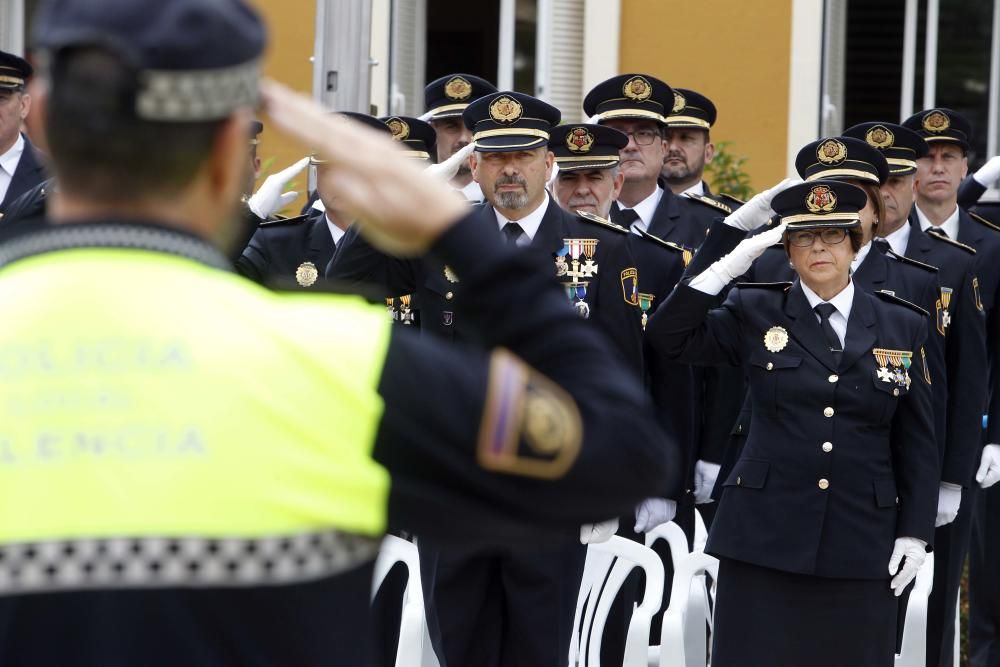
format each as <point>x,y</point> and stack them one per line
<point>279,249</point>
<point>672,221</point>
<point>982,235</point>
<point>965,347</point>
<point>443,296</point>
<point>792,503</point>
<point>26,213</point>
<point>28,173</point>
<point>705,208</point>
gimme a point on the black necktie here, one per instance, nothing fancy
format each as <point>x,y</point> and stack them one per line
<point>513,232</point>
<point>628,216</point>
<point>825,310</point>
<point>882,245</point>
<point>939,231</point>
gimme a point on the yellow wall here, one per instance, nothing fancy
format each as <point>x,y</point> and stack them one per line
<point>732,51</point>
<point>291,31</point>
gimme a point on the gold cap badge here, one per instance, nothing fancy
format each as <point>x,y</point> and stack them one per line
<point>831,151</point>
<point>936,121</point>
<point>400,128</point>
<point>821,199</point>
<point>637,89</point>
<point>457,88</point>
<point>679,103</point>
<point>506,109</point>
<point>775,339</point>
<point>880,137</point>
<point>306,274</point>
<point>579,140</point>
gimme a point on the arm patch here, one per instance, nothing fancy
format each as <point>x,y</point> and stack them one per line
<point>530,426</point>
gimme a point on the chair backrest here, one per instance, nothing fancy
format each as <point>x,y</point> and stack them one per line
<point>675,538</point>
<point>913,651</point>
<point>608,565</point>
<point>414,648</point>
<point>700,531</point>
<point>683,636</point>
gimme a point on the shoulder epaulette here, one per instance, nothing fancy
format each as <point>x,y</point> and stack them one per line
<point>280,220</point>
<point>909,260</point>
<point>735,200</point>
<point>708,201</point>
<point>958,244</point>
<point>892,298</point>
<point>598,220</point>
<point>777,286</point>
<point>983,221</point>
<point>686,253</point>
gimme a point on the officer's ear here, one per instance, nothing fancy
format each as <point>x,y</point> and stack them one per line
<point>37,110</point>
<point>709,149</point>
<point>619,181</point>
<point>474,166</point>
<point>550,160</point>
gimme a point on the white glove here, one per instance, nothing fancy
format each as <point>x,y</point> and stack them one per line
<point>915,552</point>
<point>949,500</point>
<point>715,278</point>
<point>269,198</point>
<point>756,212</point>
<point>595,533</point>
<point>989,466</point>
<point>705,474</point>
<point>989,172</point>
<point>446,170</point>
<point>654,512</point>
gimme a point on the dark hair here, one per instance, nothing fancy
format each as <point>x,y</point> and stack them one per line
<point>100,149</point>
<point>875,197</point>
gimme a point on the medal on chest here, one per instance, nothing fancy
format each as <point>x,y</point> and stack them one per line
<point>307,274</point>
<point>775,339</point>
<point>894,366</point>
<point>575,266</point>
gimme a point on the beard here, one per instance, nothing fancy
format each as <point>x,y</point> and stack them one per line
<point>511,199</point>
<point>680,173</point>
<point>580,202</point>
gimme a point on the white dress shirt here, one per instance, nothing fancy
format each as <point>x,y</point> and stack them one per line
<point>645,209</point>
<point>949,226</point>
<point>899,239</point>
<point>529,223</point>
<point>8,163</point>
<point>472,192</point>
<point>696,189</point>
<point>336,232</point>
<point>842,302</point>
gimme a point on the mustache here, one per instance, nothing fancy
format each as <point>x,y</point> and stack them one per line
<point>582,201</point>
<point>510,180</point>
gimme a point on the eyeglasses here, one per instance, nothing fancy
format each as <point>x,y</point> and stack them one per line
<point>645,136</point>
<point>806,237</point>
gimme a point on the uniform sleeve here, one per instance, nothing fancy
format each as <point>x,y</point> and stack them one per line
<point>993,336</point>
<point>356,261</point>
<point>969,192</point>
<point>967,381</point>
<point>687,329</point>
<point>915,453</point>
<point>525,436</point>
<point>255,261</point>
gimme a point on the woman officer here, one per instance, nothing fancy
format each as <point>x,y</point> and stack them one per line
<point>836,488</point>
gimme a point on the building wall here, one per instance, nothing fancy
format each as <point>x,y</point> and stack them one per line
<point>291,35</point>
<point>737,53</point>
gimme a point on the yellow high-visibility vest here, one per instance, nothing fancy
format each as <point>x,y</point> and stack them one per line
<point>145,394</point>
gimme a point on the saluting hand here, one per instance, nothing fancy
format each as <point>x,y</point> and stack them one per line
<point>756,212</point>
<point>270,196</point>
<point>399,208</point>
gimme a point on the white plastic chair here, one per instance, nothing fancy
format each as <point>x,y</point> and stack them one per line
<point>683,638</point>
<point>414,648</point>
<point>700,531</point>
<point>607,566</point>
<point>913,652</point>
<point>675,538</point>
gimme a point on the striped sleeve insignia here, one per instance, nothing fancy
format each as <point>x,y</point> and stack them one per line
<point>708,201</point>
<point>530,426</point>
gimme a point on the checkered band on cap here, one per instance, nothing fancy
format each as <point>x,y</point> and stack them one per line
<point>197,95</point>
<point>37,567</point>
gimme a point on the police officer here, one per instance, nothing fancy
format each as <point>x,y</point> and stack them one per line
<point>295,251</point>
<point>20,164</point>
<point>637,105</point>
<point>445,99</point>
<point>689,149</point>
<point>207,460</point>
<point>839,473</point>
<point>939,175</point>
